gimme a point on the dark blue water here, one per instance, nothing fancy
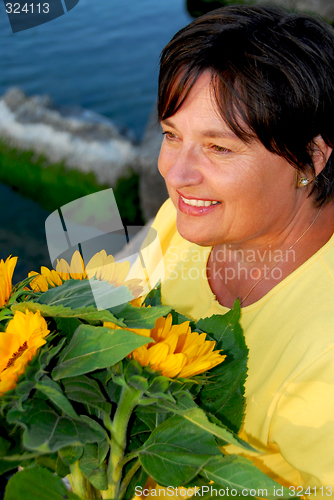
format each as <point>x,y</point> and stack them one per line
<point>102,55</point>
<point>22,232</point>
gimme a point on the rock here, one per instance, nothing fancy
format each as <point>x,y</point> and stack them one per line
<point>324,8</point>
<point>152,188</point>
<point>86,141</point>
<point>80,138</point>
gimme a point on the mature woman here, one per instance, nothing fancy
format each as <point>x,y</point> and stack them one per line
<point>246,103</point>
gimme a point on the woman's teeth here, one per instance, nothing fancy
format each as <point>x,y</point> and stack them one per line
<point>199,203</point>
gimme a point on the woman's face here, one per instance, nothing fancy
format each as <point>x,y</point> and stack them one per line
<point>251,191</point>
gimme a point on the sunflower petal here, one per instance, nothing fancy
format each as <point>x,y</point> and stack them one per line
<point>177,351</point>
<point>157,354</point>
<point>77,268</point>
<point>24,335</point>
<point>6,276</point>
<point>173,364</point>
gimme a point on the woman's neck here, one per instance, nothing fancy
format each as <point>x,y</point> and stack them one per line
<point>249,270</point>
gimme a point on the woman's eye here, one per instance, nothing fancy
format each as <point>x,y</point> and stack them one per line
<point>169,135</point>
<point>221,149</point>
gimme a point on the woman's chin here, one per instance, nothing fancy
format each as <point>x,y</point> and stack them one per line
<point>195,235</point>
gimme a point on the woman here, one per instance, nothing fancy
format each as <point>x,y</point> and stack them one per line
<point>246,103</point>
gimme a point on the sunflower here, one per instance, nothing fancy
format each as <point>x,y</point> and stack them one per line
<point>101,266</point>
<point>43,281</point>
<point>177,351</point>
<point>6,275</point>
<point>24,335</point>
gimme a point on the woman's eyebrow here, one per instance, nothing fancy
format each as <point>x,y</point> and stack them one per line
<point>213,134</point>
<point>168,123</point>
<point>219,134</point>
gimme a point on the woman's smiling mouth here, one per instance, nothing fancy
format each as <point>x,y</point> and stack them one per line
<point>198,203</point>
<point>195,206</point>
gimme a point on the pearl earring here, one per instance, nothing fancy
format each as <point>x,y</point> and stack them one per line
<point>303,181</point>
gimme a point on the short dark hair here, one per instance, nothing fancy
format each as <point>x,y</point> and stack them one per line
<point>272,77</point>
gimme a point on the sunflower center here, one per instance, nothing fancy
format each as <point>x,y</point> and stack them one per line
<point>17,354</point>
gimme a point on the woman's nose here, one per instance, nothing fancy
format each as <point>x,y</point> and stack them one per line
<point>182,168</point>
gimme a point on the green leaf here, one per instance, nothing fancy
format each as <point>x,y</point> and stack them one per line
<point>93,348</point>
<point>153,298</point>
<point>12,451</point>
<point>22,457</point>
<point>238,473</point>
<point>103,449</point>
<point>37,483</point>
<point>179,318</point>
<point>225,329</point>
<point>139,383</point>
<point>9,466</point>
<point>159,385</point>
<point>91,467</point>
<point>5,314</point>
<point>223,394</point>
<point>176,451</point>
<point>197,483</point>
<point>139,480</point>
<point>48,354</point>
<point>53,391</point>
<point>4,446</point>
<point>186,408</point>
<point>151,418</point>
<point>131,368</point>
<point>47,432</point>
<point>79,294</point>
<point>67,326</point>
<point>89,313</point>
<point>19,291</point>
<point>33,373</point>
<point>62,470</point>
<point>71,454</point>
<point>113,391</point>
<point>143,317</point>
<point>48,461</point>
<point>86,390</point>
<point>100,431</point>
<point>139,433</point>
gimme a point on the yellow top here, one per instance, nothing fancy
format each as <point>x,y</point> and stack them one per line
<point>290,335</point>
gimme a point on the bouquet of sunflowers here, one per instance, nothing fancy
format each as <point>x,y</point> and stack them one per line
<point>119,398</point>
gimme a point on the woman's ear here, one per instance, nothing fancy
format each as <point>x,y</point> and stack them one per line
<point>320,153</point>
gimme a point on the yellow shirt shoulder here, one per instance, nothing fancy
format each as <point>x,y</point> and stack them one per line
<point>290,335</point>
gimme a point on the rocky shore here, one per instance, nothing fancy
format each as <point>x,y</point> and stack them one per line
<point>85,141</point>
<point>323,8</point>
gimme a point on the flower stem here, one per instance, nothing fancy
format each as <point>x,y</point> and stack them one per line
<point>77,481</point>
<point>92,493</point>
<point>128,401</point>
<point>81,485</point>
<point>126,481</point>
<point>127,458</point>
